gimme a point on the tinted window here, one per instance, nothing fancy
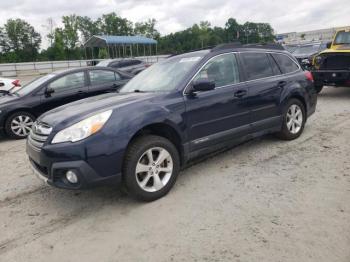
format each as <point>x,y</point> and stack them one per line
<point>256,65</point>
<point>135,62</point>
<point>102,76</point>
<point>124,64</point>
<point>274,66</point>
<point>223,70</point>
<point>69,81</point>
<point>286,64</point>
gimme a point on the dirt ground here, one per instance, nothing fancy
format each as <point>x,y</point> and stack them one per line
<point>266,200</point>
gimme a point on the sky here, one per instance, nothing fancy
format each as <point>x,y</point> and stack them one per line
<point>175,15</point>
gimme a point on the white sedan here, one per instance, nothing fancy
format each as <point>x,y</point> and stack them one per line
<point>6,84</point>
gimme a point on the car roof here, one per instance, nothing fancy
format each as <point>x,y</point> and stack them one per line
<point>234,47</point>
<point>79,69</point>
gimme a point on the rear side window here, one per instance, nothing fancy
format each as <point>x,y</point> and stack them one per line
<point>256,65</point>
<point>102,76</point>
<point>286,64</point>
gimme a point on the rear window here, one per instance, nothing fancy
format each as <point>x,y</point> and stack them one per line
<point>257,65</point>
<point>286,64</point>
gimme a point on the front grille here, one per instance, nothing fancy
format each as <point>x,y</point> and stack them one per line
<point>336,62</point>
<point>39,134</point>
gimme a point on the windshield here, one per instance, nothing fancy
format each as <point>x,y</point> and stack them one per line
<point>162,76</point>
<point>307,49</point>
<point>342,38</point>
<point>26,89</point>
<point>103,63</point>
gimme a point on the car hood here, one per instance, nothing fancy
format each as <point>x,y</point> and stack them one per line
<point>81,109</point>
<point>7,99</point>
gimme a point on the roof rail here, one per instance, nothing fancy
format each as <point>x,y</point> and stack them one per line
<point>257,46</point>
<point>227,46</point>
<point>265,46</point>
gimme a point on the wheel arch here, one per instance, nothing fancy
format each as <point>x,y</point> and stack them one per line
<point>20,109</point>
<point>164,130</point>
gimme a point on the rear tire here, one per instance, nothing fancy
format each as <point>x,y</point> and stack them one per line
<point>19,124</point>
<point>318,88</point>
<point>151,166</point>
<point>294,118</point>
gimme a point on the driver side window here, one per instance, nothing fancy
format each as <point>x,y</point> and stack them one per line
<point>70,81</point>
<point>223,70</point>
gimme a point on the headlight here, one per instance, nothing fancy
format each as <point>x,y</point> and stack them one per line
<point>82,129</point>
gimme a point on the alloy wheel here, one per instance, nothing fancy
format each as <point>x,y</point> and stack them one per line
<point>154,169</point>
<point>294,119</point>
<point>21,125</point>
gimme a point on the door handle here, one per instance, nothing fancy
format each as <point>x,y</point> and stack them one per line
<point>281,84</point>
<point>80,92</point>
<point>240,93</point>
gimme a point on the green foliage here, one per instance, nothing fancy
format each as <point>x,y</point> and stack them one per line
<point>147,29</point>
<point>20,42</point>
<point>102,53</point>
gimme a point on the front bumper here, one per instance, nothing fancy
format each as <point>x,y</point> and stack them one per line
<point>51,169</point>
<point>332,77</point>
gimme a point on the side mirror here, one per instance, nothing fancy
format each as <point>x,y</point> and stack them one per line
<point>329,44</point>
<point>49,91</point>
<point>203,85</point>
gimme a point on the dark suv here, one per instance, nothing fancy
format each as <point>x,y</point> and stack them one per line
<point>179,109</point>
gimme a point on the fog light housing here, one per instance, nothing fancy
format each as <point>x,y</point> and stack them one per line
<point>72,177</point>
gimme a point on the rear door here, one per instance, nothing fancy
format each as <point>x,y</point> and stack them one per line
<point>103,80</point>
<point>216,116</point>
<point>265,85</point>
<point>65,89</point>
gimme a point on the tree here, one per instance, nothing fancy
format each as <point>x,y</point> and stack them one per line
<point>147,29</point>
<point>87,27</point>
<point>233,30</point>
<point>112,24</point>
<point>19,41</point>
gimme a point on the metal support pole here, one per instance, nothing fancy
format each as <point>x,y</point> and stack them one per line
<point>109,56</point>
<point>130,50</point>
<point>157,51</point>
<point>137,49</point>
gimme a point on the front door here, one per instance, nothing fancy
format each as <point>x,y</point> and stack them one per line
<point>220,114</point>
<point>63,90</point>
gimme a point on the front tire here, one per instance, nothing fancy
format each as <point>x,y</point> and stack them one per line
<point>294,118</point>
<point>151,167</point>
<point>19,124</point>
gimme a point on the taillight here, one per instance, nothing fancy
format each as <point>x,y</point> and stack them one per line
<point>147,65</point>
<point>16,83</point>
<point>309,76</point>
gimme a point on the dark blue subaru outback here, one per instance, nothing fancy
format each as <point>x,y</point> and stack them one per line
<point>179,109</point>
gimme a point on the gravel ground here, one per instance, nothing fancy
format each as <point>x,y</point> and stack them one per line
<point>266,200</point>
